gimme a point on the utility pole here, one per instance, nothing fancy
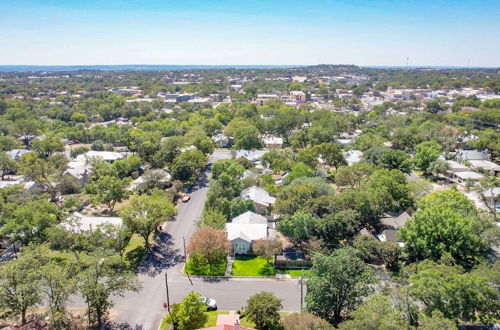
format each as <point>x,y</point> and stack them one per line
<point>166,285</point>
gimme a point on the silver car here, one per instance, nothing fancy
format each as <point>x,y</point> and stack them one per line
<point>211,303</point>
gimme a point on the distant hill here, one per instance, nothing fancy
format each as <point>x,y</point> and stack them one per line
<point>132,67</point>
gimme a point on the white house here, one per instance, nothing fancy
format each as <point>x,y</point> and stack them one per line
<point>271,141</point>
<point>78,223</point>
<point>353,156</point>
<point>245,229</point>
<point>251,155</point>
<point>221,140</point>
<point>263,201</point>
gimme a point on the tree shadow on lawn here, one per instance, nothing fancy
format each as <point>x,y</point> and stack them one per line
<point>267,270</point>
<point>162,256</point>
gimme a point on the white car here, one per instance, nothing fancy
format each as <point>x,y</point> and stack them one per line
<point>211,303</point>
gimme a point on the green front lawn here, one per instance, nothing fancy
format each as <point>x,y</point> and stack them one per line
<point>212,318</point>
<point>252,266</point>
<point>292,272</point>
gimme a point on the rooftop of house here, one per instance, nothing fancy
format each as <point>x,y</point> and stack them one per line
<point>466,155</point>
<point>246,232</point>
<point>78,223</point>
<point>249,217</point>
<point>353,156</point>
<point>258,195</point>
<point>485,165</point>
<point>251,155</point>
<point>469,175</point>
<point>395,221</point>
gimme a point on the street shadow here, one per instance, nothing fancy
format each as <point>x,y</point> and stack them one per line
<point>213,279</point>
<point>121,326</point>
<point>162,256</point>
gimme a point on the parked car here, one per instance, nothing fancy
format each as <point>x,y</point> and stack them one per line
<point>185,198</point>
<point>211,303</point>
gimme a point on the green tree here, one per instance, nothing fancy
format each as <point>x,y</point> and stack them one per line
<point>98,282</point>
<point>299,228</point>
<point>240,205</point>
<point>210,248</point>
<point>108,190</point>
<point>47,146</point>
<point>7,165</point>
<point>145,213</point>
<point>331,154</point>
<point>190,313</point>
<point>305,321</point>
<point>336,284</point>
<point>445,222</point>
<point>29,221</point>
<point>46,172</point>
<point>20,285</point>
<point>353,176</point>
<point>388,158</point>
<point>187,165</point>
<point>263,309</point>
<point>426,153</point>
<point>212,218</point>
<point>228,166</point>
<point>299,170</point>
<point>375,313</point>
<point>245,134</point>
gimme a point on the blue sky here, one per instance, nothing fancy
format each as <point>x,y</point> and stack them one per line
<point>362,32</point>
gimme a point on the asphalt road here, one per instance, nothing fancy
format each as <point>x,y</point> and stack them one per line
<point>144,309</point>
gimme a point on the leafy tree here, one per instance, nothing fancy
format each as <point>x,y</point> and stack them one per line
<point>299,170</point>
<point>58,282</point>
<point>301,196</point>
<point>437,230</point>
<point>307,156</point>
<point>392,184</point>
<point>145,213</point>
<point>279,161</point>
<point>46,172</point>
<point>229,166</point>
<point>7,165</point>
<point>29,221</point>
<point>212,247</point>
<point>190,313</point>
<point>170,148</point>
<point>204,144</point>
<point>458,295</point>
<point>20,285</point>
<point>388,158</point>
<point>305,321</point>
<point>47,146</point>
<point>488,190</point>
<point>212,218</point>
<point>438,167</point>
<point>240,205</point>
<point>98,282</point>
<point>375,313</point>
<point>245,134</point>
<point>433,106</point>
<point>436,321</point>
<point>108,190</point>
<point>353,176</point>
<point>426,154</point>
<point>187,165</point>
<point>26,130</point>
<point>299,228</point>
<point>331,154</point>
<point>336,284</point>
<point>267,248</point>
<point>263,309</point>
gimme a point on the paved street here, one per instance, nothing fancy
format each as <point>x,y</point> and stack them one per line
<point>144,310</point>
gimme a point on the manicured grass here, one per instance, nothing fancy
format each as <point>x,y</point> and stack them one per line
<point>246,323</point>
<point>135,251</point>
<point>212,318</point>
<point>292,272</point>
<point>211,321</point>
<point>251,266</point>
<point>192,269</point>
